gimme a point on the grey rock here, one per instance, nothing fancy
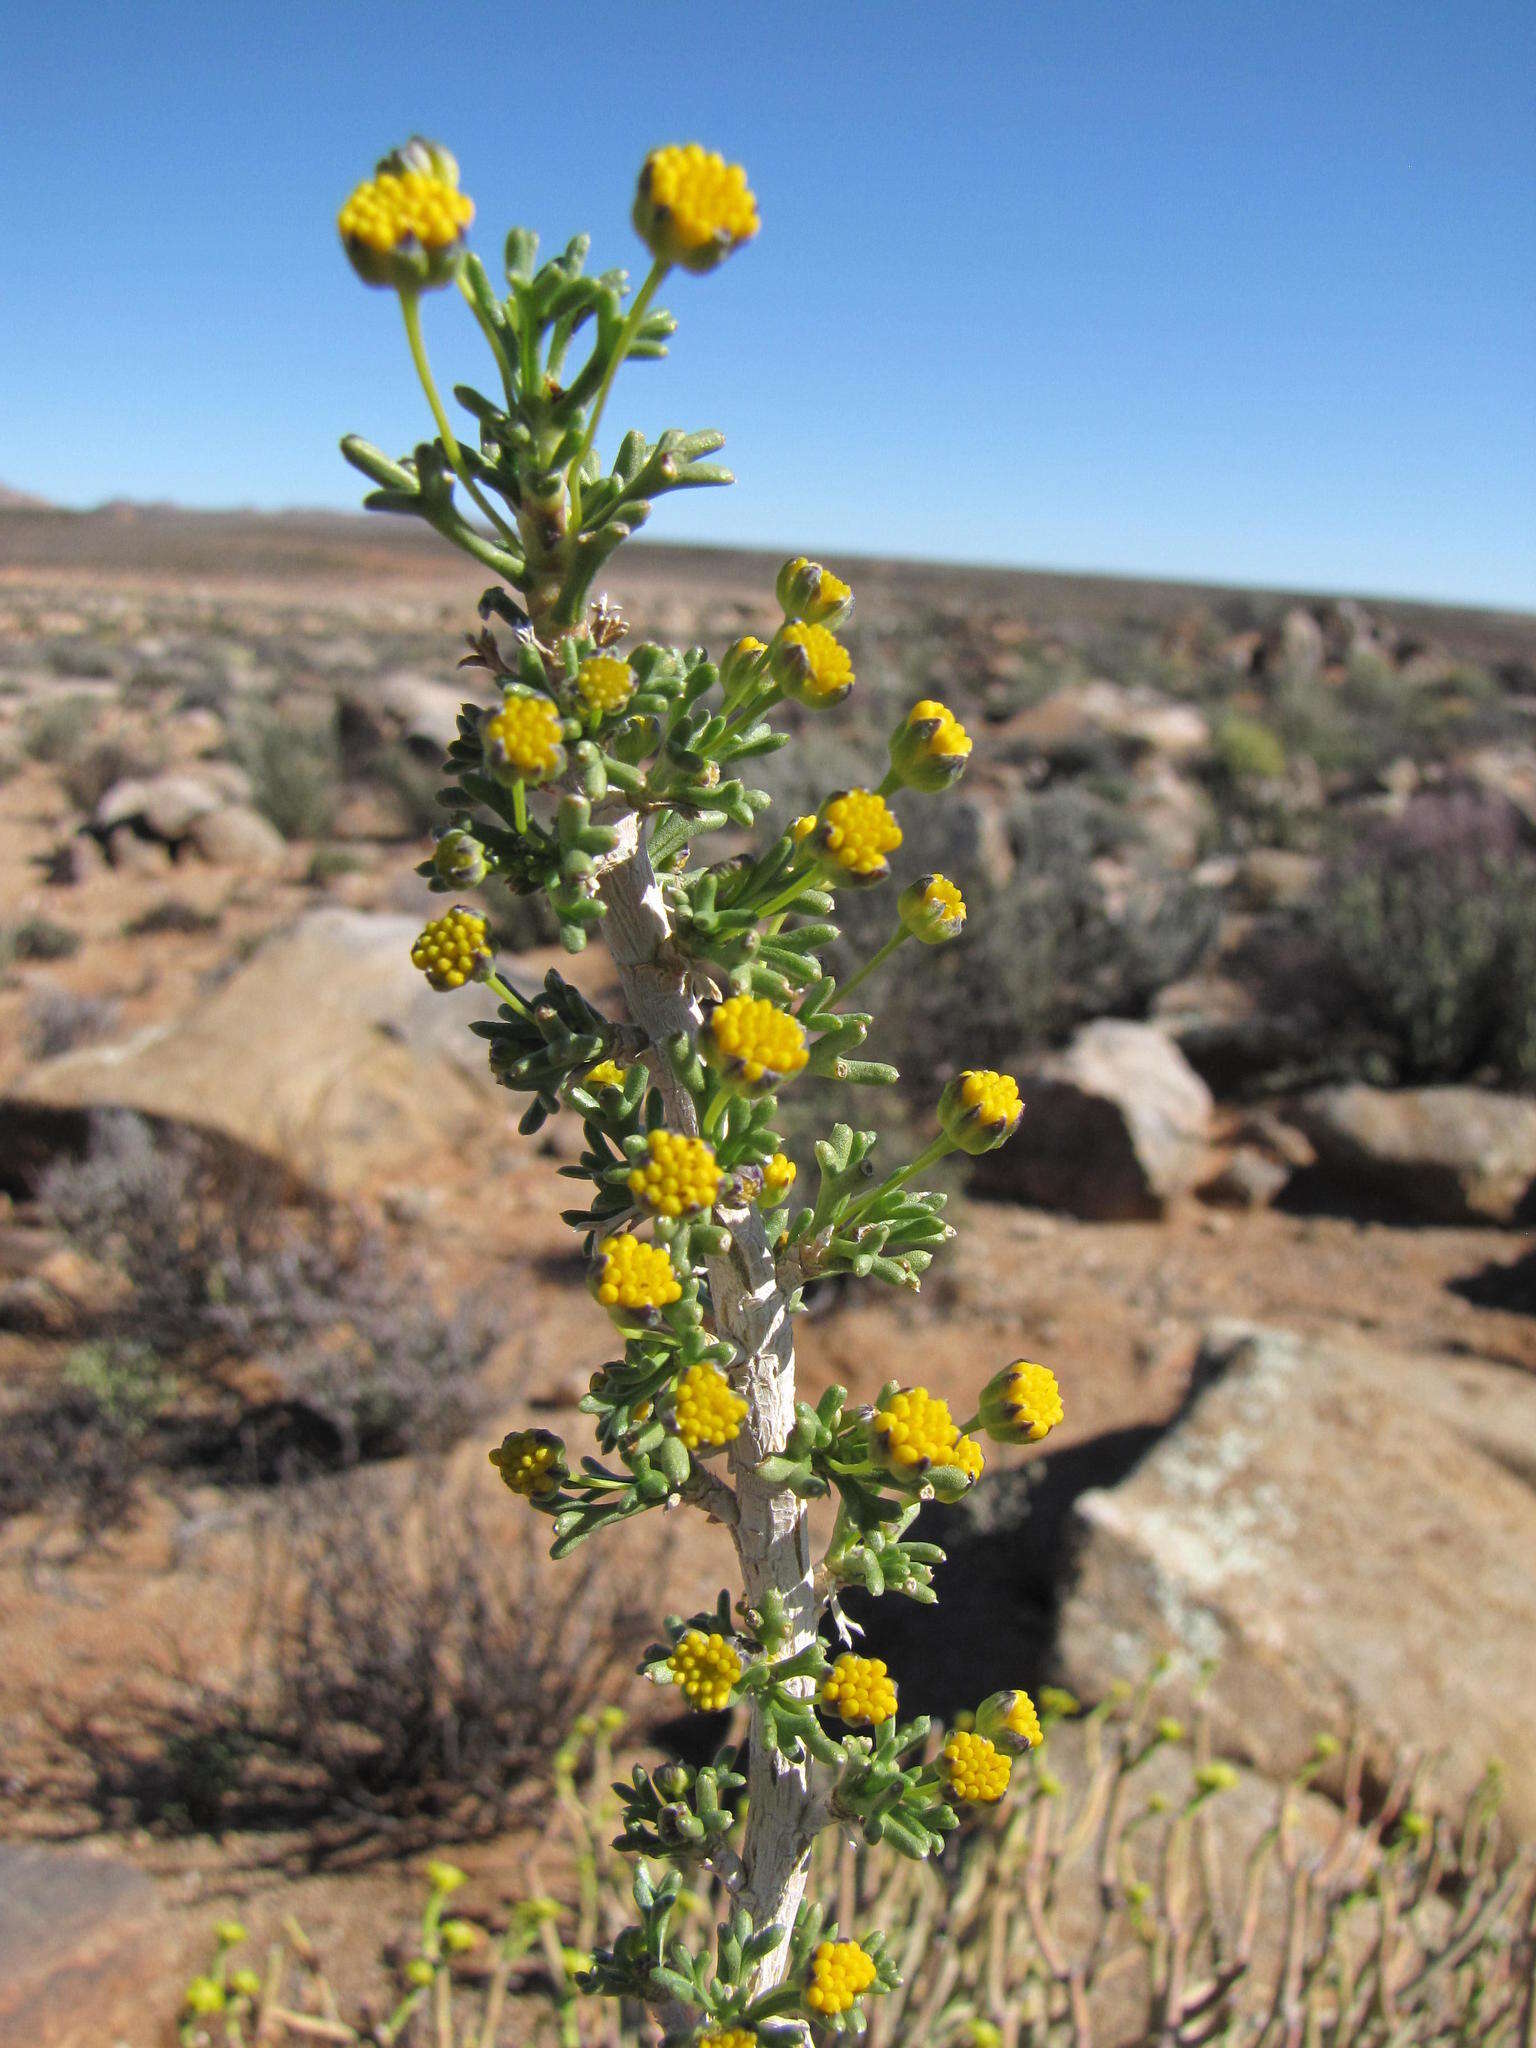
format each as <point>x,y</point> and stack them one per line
<point>80,1936</point>
<point>1443,1155</point>
<point>1115,1127</point>
<point>165,806</point>
<point>1249,1179</point>
<point>238,837</point>
<point>1344,1537</point>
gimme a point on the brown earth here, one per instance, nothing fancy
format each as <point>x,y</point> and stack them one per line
<point>1118,1309</point>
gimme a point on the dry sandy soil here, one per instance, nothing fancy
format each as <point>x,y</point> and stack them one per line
<point>163,1602</point>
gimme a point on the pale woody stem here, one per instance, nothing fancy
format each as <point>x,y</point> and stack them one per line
<point>771,1533</point>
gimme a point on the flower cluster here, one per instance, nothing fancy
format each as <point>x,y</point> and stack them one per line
<point>915,1430</point>
<point>856,831</point>
<point>531,1461</point>
<point>680,1175</point>
<point>632,1274</point>
<point>692,207</point>
<point>605,684</point>
<point>975,1769</point>
<point>405,226</point>
<point>1021,1404</point>
<point>452,949</point>
<point>859,1690</point>
<point>709,1410</point>
<point>705,1669</point>
<point>812,665</point>
<point>753,1043</point>
<point>727,2037</point>
<point>524,738</point>
<point>840,1972</point>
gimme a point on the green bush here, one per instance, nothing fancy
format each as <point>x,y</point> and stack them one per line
<point>1431,932</point>
<point>294,770</point>
<point>1248,751</point>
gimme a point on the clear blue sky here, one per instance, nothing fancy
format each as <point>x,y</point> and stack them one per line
<point>1239,290</point>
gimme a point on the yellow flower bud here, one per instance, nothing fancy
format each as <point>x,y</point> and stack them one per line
<point>680,1176</point>
<point>854,833</point>
<point>404,228</point>
<point>1021,1404</point>
<point>704,1668</point>
<point>605,684</point>
<point>980,1109</point>
<point>692,207</point>
<point>1009,1719</point>
<point>930,748</point>
<point>812,666</point>
<point>753,1044</point>
<point>709,1410</point>
<point>531,1462</point>
<point>859,1691</point>
<point>840,1972</point>
<point>634,1278</point>
<point>975,1769</point>
<point>812,595</point>
<point>452,949</point>
<point>932,909</point>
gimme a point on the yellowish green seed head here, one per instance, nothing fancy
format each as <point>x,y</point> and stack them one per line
<point>778,1178</point>
<point>812,665</point>
<point>980,1109</point>
<point>460,1936</point>
<point>635,1276</point>
<point>704,1668</point>
<point>709,1410</point>
<point>245,1983</point>
<point>692,207</point>
<point>230,1933</point>
<point>605,684</point>
<point>855,833</point>
<point>531,1462</point>
<point>932,909</point>
<point>452,949</point>
<point>524,740</point>
<point>204,1996</point>
<point>680,1176</point>
<point>812,595</point>
<point>405,226</point>
<point>1021,1404</point>
<point>859,1691</point>
<point>419,1973</point>
<point>975,1769</point>
<point>841,1971</point>
<point>754,1044</point>
<point>444,1877</point>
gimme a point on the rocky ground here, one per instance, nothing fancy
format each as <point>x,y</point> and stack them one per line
<point>1270,1220</point>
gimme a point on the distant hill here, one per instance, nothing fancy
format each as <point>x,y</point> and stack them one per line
<point>126,539</point>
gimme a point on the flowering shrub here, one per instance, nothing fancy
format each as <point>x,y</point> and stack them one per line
<point>589,784</point>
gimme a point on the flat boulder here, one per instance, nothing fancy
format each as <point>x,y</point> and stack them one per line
<point>1115,1128</point>
<point>1441,1155</point>
<point>325,1049</point>
<point>1343,1537</point>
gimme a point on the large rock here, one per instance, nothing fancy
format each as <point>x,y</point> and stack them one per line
<point>1346,1538</point>
<point>80,1946</point>
<point>325,1049</point>
<point>1116,1127</point>
<point>239,837</point>
<point>1444,1155</point>
<point>166,806</point>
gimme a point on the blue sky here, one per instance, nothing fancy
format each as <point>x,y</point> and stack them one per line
<point>1238,291</point>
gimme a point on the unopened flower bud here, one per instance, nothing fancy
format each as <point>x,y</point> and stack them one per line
<point>204,1996</point>
<point>459,1936</point>
<point>812,595</point>
<point>1021,1404</point>
<point>1009,1719</point>
<point>531,1462</point>
<point>419,1973</point>
<point>229,1933</point>
<point>1217,1776</point>
<point>932,909</point>
<point>812,666</point>
<point>930,748</point>
<point>741,661</point>
<point>404,228</point>
<point>460,859</point>
<point>692,207</point>
<point>445,1877</point>
<point>245,1983</point>
<point>980,1109</point>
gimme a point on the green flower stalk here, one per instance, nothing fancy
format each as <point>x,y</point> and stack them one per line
<point>602,766</point>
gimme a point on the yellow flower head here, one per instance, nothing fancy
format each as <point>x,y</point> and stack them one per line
<point>680,1175</point>
<point>452,949</point>
<point>840,1972</point>
<point>606,1074</point>
<point>1021,1404</point>
<point>523,740</point>
<point>740,662</point>
<point>405,226</point>
<point>1009,1719</point>
<point>204,1996</point>
<point>932,909</point>
<point>692,207</point>
<point>812,665</point>
<point>634,1275</point>
<point>930,748</point>
<point>605,684</point>
<point>728,2037</point>
<point>913,1431</point>
<point>531,1462</point>
<point>811,594</point>
<point>753,1044</point>
<point>855,832</point>
<point>778,1178</point>
<point>802,827</point>
<point>980,1109</point>
<point>704,1668</point>
<point>859,1690</point>
<point>975,1769</point>
<point>709,1411</point>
